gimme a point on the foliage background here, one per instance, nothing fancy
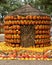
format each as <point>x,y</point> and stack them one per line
<point>7,6</point>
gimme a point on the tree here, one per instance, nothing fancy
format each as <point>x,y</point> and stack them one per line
<point>2,1</point>
<point>45,5</point>
<point>9,6</point>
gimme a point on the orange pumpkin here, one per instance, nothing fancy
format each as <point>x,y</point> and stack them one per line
<point>18,22</point>
<point>22,22</point>
<point>14,41</point>
<point>12,22</point>
<point>18,41</point>
<point>34,17</point>
<point>19,32</point>
<point>14,31</point>
<point>41,17</point>
<point>13,45</point>
<point>49,18</point>
<point>15,18</point>
<point>18,36</point>
<point>44,17</point>
<point>38,17</point>
<point>14,27</point>
<point>19,17</point>
<point>15,22</point>
<point>33,22</point>
<point>30,22</point>
<point>18,27</point>
<point>22,18</point>
<point>36,22</point>
<point>30,17</point>
<point>17,45</point>
<point>15,36</point>
<point>7,18</point>
<point>12,36</point>
<point>27,17</point>
<point>11,17</point>
<point>26,23</point>
<point>39,22</point>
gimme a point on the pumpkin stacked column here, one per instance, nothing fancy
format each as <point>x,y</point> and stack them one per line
<point>12,31</point>
<point>42,31</point>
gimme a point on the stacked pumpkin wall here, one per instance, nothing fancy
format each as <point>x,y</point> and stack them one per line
<point>41,25</point>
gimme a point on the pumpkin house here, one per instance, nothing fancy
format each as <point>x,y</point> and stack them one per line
<point>26,27</point>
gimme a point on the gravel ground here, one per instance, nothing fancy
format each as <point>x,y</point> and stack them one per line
<point>17,62</point>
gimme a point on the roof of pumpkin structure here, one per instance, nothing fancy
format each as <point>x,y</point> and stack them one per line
<point>27,10</point>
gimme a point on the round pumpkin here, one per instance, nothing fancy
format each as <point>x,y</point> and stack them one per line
<point>22,22</point>
<point>18,41</point>
<point>18,22</point>
<point>18,27</point>
<point>7,18</point>
<point>41,17</point>
<point>30,17</point>
<point>14,27</point>
<point>12,22</point>
<point>33,22</point>
<point>18,36</point>
<point>27,17</point>
<point>22,18</point>
<point>11,17</point>
<point>15,22</point>
<point>38,17</point>
<point>19,17</point>
<point>30,22</point>
<point>18,32</point>
<point>14,32</point>
<point>34,17</point>
<point>26,23</point>
<point>44,17</point>
<point>17,45</point>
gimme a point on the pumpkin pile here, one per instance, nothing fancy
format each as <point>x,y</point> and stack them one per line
<point>12,26</point>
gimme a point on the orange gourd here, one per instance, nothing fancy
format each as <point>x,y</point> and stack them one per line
<point>34,17</point>
<point>27,17</point>
<point>19,17</point>
<point>30,17</point>
<point>22,22</point>
<point>18,27</point>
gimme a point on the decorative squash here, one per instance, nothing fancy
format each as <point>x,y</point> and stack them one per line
<point>19,17</point>
<point>38,17</point>
<point>18,32</point>
<point>27,17</point>
<point>17,45</point>
<point>18,41</point>
<point>18,36</point>
<point>18,22</point>
<point>34,17</point>
<point>11,17</point>
<point>22,18</point>
<point>22,22</point>
<point>12,22</point>
<point>7,18</point>
<point>14,27</point>
<point>18,27</point>
<point>33,22</point>
<point>15,22</point>
<point>30,17</point>
<point>26,23</point>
